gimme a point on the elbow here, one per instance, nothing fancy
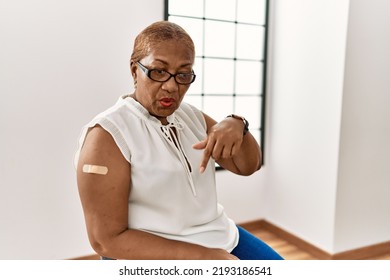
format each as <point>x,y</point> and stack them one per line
<point>251,169</point>
<point>107,244</point>
<point>103,244</point>
<point>101,247</point>
<point>248,172</point>
<point>253,163</point>
<point>259,162</point>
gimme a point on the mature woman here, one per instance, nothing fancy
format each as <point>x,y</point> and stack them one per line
<point>145,166</point>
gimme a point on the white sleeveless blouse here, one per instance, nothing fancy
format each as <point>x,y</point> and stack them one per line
<point>168,197</point>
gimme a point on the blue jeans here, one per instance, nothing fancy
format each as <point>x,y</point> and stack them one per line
<point>249,247</point>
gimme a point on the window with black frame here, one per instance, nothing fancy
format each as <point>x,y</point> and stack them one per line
<point>230,42</point>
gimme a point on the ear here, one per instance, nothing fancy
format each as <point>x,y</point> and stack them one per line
<point>133,70</point>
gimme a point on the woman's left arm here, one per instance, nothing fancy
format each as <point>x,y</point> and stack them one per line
<point>229,147</point>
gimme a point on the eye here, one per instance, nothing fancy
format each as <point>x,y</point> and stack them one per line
<point>158,73</point>
<point>185,77</point>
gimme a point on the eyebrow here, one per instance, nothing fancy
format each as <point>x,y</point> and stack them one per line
<point>166,63</point>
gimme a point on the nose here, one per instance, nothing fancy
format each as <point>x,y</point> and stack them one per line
<point>170,85</point>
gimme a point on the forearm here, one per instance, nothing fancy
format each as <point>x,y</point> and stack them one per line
<point>140,245</point>
<point>249,158</point>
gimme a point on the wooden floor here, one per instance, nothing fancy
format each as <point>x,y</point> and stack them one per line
<point>290,251</point>
<point>287,250</point>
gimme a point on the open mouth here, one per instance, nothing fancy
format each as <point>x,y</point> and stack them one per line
<point>167,102</point>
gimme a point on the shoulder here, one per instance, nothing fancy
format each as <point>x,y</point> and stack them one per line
<point>100,149</point>
<point>99,144</point>
<point>187,108</point>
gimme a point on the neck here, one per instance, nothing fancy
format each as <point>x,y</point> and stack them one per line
<point>163,120</point>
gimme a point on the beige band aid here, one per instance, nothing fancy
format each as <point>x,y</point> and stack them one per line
<point>95,169</point>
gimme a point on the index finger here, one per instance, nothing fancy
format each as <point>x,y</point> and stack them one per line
<point>206,155</point>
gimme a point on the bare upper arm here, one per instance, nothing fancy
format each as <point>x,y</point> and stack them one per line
<point>104,197</point>
<point>209,121</point>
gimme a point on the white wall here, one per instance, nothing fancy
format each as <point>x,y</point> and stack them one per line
<point>328,176</point>
<point>363,196</point>
<point>243,198</point>
<point>304,110</point>
<point>61,62</point>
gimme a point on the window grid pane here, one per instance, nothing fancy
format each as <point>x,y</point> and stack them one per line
<point>230,45</point>
<point>213,9</point>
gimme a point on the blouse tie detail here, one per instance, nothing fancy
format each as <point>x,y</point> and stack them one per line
<point>171,132</point>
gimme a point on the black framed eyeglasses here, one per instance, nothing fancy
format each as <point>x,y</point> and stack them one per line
<point>158,75</point>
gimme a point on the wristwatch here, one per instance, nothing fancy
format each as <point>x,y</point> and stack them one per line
<point>246,123</point>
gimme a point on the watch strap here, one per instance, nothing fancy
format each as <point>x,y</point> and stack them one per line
<point>245,121</point>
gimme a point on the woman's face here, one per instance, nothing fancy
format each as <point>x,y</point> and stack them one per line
<point>161,99</point>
